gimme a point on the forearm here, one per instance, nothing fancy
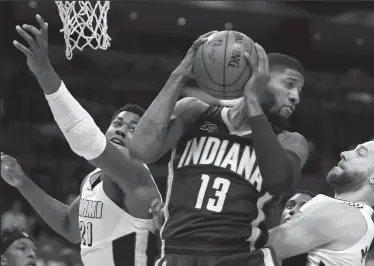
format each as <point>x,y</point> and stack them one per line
<point>52,211</point>
<point>78,127</point>
<point>275,166</point>
<point>152,128</point>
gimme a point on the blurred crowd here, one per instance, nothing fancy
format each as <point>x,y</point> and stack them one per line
<point>103,81</point>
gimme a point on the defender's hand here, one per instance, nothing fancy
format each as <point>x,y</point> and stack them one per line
<point>158,213</point>
<point>37,53</point>
<point>185,67</point>
<point>255,87</point>
<point>11,171</point>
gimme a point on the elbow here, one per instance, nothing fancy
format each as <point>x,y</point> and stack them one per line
<point>141,155</point>
<point>74,239</point>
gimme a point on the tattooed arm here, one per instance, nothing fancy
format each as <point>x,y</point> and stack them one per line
<point>165,121</point>
<point>158,131</point>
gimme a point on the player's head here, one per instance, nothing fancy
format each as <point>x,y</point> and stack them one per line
<point>17,248</point>
<point>285,85</point>
<point>355,171</point>
<point>294,204</point>
<point>122,124</point>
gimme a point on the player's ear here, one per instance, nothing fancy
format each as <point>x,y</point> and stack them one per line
<point>3,261</point>
<point>371,179</point>
<point>371,175</point>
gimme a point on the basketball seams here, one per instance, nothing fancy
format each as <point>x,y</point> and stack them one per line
<point>224,64</point>
<point>241,74</point>
<point>207,71</point>
<point>206,68</point>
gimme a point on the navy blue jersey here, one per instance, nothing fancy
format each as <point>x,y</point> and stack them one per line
<point>215,192</point>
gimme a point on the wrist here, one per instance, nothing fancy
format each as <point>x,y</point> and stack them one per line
<point>24,185</point>
<point>177,81</point>
<point>43,70</point>
<point>253,105</point>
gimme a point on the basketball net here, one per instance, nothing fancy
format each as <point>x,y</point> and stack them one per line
<point>84,24</point>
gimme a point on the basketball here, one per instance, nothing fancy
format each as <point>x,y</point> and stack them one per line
<point>220,67</point>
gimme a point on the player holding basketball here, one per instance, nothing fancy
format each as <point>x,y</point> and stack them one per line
<point>16,248</point>
<point>111,218</point>
<point>334,231</point>
<point>218,187</point>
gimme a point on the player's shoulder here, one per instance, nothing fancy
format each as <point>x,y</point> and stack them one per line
<point>189,108</point>
<point>334,215</point>
<point>88,176</point>
<point>291,136</point>
<point>295,142</point>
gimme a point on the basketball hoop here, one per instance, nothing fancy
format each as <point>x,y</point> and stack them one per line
<point>84,24</point>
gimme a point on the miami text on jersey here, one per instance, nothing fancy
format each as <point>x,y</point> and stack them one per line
<point>91,208</point>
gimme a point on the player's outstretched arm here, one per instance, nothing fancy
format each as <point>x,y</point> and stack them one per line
<point>156,131</point>
<point>318,225</point>
<point>83,135</point>
<point>61,218</point>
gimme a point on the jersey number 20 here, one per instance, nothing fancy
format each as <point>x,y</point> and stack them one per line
<point>221,187</point>
<point>86,233</point>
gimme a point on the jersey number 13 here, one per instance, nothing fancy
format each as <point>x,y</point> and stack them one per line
<point>221,187</point>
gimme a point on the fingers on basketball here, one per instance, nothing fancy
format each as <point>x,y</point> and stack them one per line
<point>206,35</point>
<point>198,42</point>
<point>263,61</point>
<point>252,61</point>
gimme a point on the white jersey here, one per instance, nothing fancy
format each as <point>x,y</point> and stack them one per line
<point>109,235</point>
<point>352,256</point>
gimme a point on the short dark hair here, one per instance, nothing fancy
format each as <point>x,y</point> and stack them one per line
<point>132,108</point>
<point>282,61</point>
<point>9,235</point>
<point>6,232</point>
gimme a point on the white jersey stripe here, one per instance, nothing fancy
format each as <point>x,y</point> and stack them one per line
<point>256,232</point>
<point>166,211</point>
<point>268,258</point>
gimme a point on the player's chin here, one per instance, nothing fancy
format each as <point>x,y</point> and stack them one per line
<point>286,112</point>
<point>285,220</point>
<point>336,178</point>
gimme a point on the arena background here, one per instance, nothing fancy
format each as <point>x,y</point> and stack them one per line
<point>334,40</point>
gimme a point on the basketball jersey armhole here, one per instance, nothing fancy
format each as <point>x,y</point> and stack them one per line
<point>210,110</point>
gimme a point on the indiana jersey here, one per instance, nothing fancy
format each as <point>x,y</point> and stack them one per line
<point>109,235</point>
<point>352,256</point>
<point>215,200</point>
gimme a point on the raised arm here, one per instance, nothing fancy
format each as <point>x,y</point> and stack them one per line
<point>160,127</point>
<point>61,218</point>
<point>279,166</point>
<point>78,127</point>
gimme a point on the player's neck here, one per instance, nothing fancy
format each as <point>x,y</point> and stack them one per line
<point>355,197</point>
<point>238,117</point>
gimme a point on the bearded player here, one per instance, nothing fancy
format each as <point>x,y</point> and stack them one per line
<point>218,188</point>
<point>334,231</point>
<point>17,248</point>
<point>111,218</point>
